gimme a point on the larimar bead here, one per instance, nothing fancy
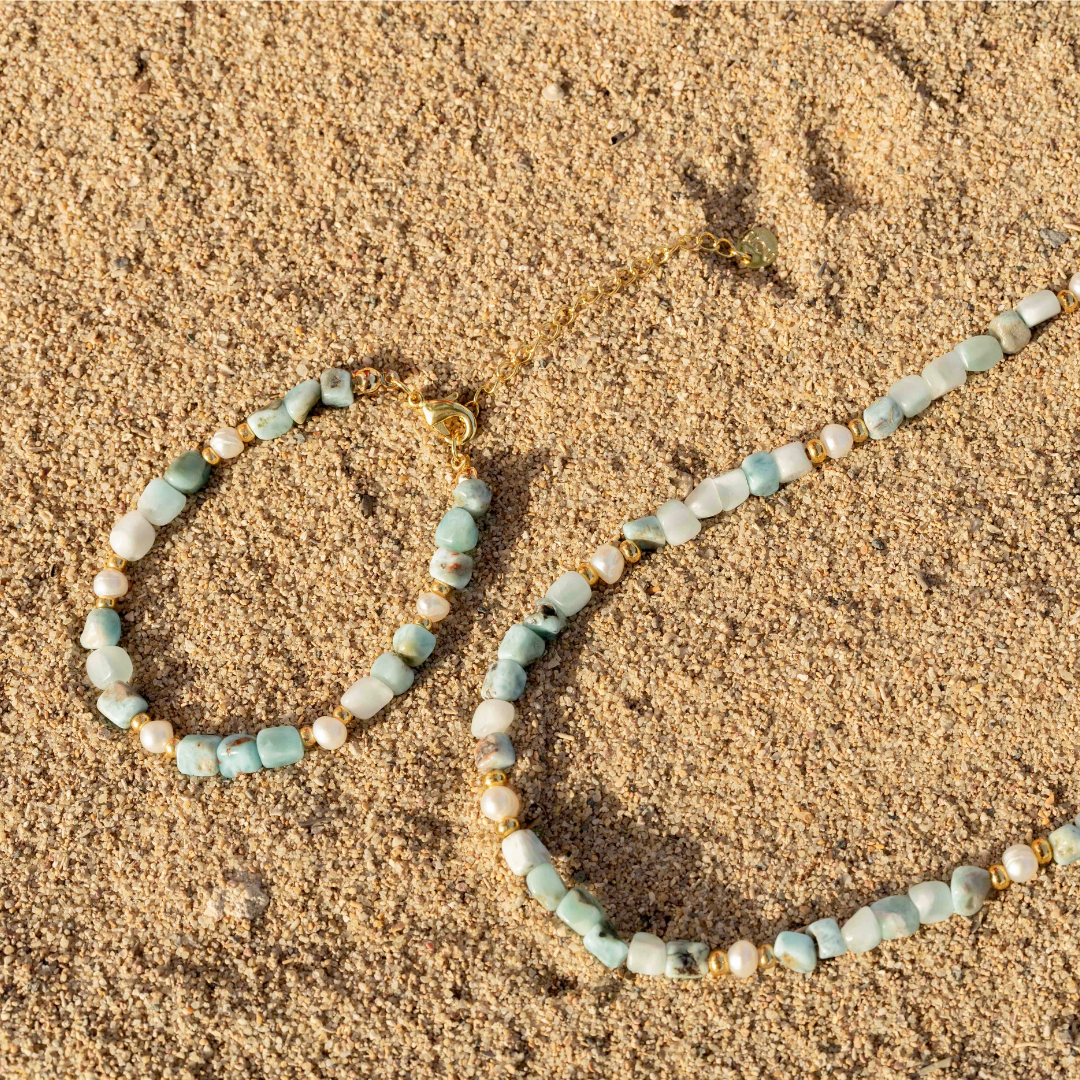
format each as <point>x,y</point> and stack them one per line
<point>523,852</point>
<point>830,941</point>
<point>451,567</point>
<point>197,755</point>
<point>792,461</point>
<point>107,665</point>
<point>102,627</point>
<point>545,886</point>
<point>647,955</point>
<point>188,473</point>
<point>1037,308</point>
<point>970,887</point>
<point>494,751</point>
<point>912,393</point>
<point>457,531</point>
<point>335,386</point>
<point>979,353</point>
<point>646,532</point>
<point>1010,330</point>
<point>897,916</point>
<point>301,399</point>
<point>687,960</point>
<point>160,502</point>
<point>944,374</point>
<point>545,621</point>
<point>120,703</point>
<point>862,932</point>
<point>571,592</point>
<point>678,521</point>
<point>933,901</point>
<point>762,473</point>
<point>733,488</point>
<point>505,679</point>
<point>366,697</point>
<point>132,536</point>
<point>796,952</point>
<point>474,496</point>
<point>271,422</point>
<point>521,645</point>
<point>882,417</point>
<point>279,746</point>
<point>392,670</point>
<point>413,643</point>
<point>492,715</point>
<point>1065,844</point>
<point>603,941</point>
<point>238,754</point>
<point>580,910</point>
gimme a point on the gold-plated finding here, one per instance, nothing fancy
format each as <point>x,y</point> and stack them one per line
<point>507,826</point>
<point>999,877</point>
<point>589,574</point>
<point>342,714</point>
<point>630,551</point>
<point>1068,301</point>
<point>468,473</point>
<point>450,421</point>
<point>139,722</point>
<point>493,778</point>
<point>816,452</point>
<point>211,456</point>
<point>718,962</point>
<point>105,601</point>
<point>440,588</point>
<point>307,736</point>
<point>115,562</point>
<point>367,380</point>
<point>858,430</point>
<point>245,432</point>
<point>766,958</point>
<point>426,623</point>
<point>1043,852</point>
<point>171,745</point>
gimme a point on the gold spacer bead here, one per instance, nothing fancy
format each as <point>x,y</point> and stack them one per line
<point>999,877</point>
<point>1068,301</point>
<point>115,562</point>
<point>440,588</point>
<point>718,962</point>
<point>630,551</point>
<point>1043,852</point>
<point>106,601</point>
<point>589,574</point>
<point>494,778</point>
<point>426,623</point>
<point>342,714</point>
<point>211,456</point>
<point>307,736</point>
<point>466,474</point>
<point>171,745</point>
<point>138,722</point>
<point>766,958</point>
<point>858,430</point>
<point>245,432</point>
<point>816,452</point>
<point>507,826</point>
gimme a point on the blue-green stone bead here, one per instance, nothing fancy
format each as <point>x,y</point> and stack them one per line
<point>580,910</point>
<point>980,353</point>
<point>897,916</point>
<point>335,384</point>
<point>603,941</point>
<point>197,755</point>
<point>301,399</point>
<point>1011,331</point>
<point>687,960</point>
<point>494,752</point>
<point>160,502</point>
<point>279,746</point>
<point>188,473</point>
<point>454,568</point>
<point>521,645</point>
<point>238,754</point>
<point>119,703</point>
<point>970,887</point>
<point>545,621</point>
<point>1065,844</point>
<point>762,473</point>
<point>474,496</point>
<point>413,644</point>
<point>271,422</point>
<point>457,531</point>
<point>830,942</point>
<point>796,952</point>
<point>505,680</point>
<point>102,628</point>
<point>882,417</point>
<point>933,900</point>
<point>545,886</point>
<point>646,532</point>
<point>394,672</point>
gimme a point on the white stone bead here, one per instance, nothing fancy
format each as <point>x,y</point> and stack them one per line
<point>1074,285</point>
<point>607,560</point>
<point>499,803</point>
<point>107,665</point>
<point>227,443</point>
<point>678,523</point>
<point>110,582</point>
<point>523,852</point>
<point>1037,308</point>
<point>862,932</point>
<point>733,489</point>
<point>330,733</point>
<point>742,959</point>
<point>491,716</point>
<point>838,440</point>
<point>912,393</point>
<point>792,461</point>
<point>366,697</point>
<point>132,536</point>
<point>1020,862</point>
<point>647,955</point>
<point>704,500</point>
<point>432,606</point>
<point>155,735</point>
<point>944,374</point>
<point>569,594</point>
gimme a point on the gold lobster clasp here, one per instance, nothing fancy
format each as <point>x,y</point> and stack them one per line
<point>450,421</point>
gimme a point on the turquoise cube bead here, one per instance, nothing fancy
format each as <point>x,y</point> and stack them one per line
<point>119,703</point>
<point>687,960</point>
<point>413,643</point>
<point>335,385</point>
<point>197,755</point>
<point>545,886</point>
<point>762,473</point>
<point>580,910</point>
<point>603,941</point>
<point>271,422</point>
<point>546,621</point>
<point>1065,844</point>
<point>521,644</point>
<point>882,417</point>
<point>301,399</point>
<point>454,568</point>
<point>238,754</point>
<point>279,746</point>
<point>830,942</point>
<point>646,532</point>
<point>796,952</point>
<point>394,672</point>
<point>474,496</point>
<point>505,680</point>
<point>102,628</point>
<point>970,887</point>
<point>980,353</point>
<point>188,473</point>
<point>457,531</point>
<point>160,502</point>
<point>897,916</point>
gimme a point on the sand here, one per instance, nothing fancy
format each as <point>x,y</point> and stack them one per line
<point>834,693</point>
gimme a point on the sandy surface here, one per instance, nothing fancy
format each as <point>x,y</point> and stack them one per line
<point>831,695</point>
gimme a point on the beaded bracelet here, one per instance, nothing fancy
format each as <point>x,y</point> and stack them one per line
<point>676,523</point>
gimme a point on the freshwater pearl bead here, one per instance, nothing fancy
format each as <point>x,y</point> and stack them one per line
<point>933,900</point>
<point>392,670</point>
<point>457,531</point>
<point>796,952</point>
<point>970,887</point>
<point>742,959</point>
<point>160,502</point>
<point>197,755</point>
<point>491,716</point>
<point>301,399</point>
<point>521,645</point>
<point>120,703</point>
<point>882,417</point>
<point>1074,285</point>
<point>580,910</point>
<point>646,532</point>
<point>912,393</point>
<point>830,941</point>
<point>279,746</point>
<point>1035,309</point>
<point>523,852</point>
<point>603,942</point>
<point>607,560</point>
<point>271,422</point>
<point>226,443</point>
<point>1020,863</point>
<point>132,536</point>
<point>188,473</point>
<point>238,753</point>
<point>678,522</point>
<point>979,353</point>
<point>762,473</point>
<point>330,733</point>
<point>102,627</point>
<point>452,567</point>
<point>1065,844</point>
<point>110,583</point>
<point>366,697</point>
<point>473,495</point>
<point>704,500</point>
<point>1011,331</point>
<point>862,932</point>
<point>335,388</point>
<point>494,752</point>
<point>944,374</point>
<point>733,488</point>
<point>499,803</point>
<point>432,606</point>
<point>545,886</point>
<point>897,916</point>
<point>155,735</point>
<point>108,665</point>
<point>647,955</point>
<point>838,440</point>
<point>792,461</point>
<point>570,593</point>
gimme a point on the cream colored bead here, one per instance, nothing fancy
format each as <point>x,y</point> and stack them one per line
<point>608,562</point>
<point>227,443</point>
<point>742,959</point>
<point>1020,863</point>
<point>110,583</point>
<point>432,606</point>
<point>155,736</point>
<point>330,733</point>
<point>499,802</point>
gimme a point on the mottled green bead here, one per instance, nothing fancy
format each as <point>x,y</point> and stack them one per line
<point>335,385</point>
<point>238,754</point>
<point>521,644</point>
<point>160,501</point>
<point>897,916</point>
<point>545,886</point>
<point>474,496</point>
<point>882,417</point>
<point>545,621</point>
<point>646,532</point>
<point>457,531</point>
<point>413,644</point>
<point>796,952</point>
<point>120,703</point>
<point>454,568</point>
<point>980,353</point>
<point>102,628</point>
<point>279,746</point>
<point>687,960</point>
<point>390,669</point>
<point>970,887</point>
<point>301,399</point>
<point>762,473</point>
<point>196,755</point>
<point>505,680</point>
<point>188,473</point>
<point>830,942</point>
<point>580,910</point>
<point>271,422</point>
<point>603,941</point>
<point>1065,844</point>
